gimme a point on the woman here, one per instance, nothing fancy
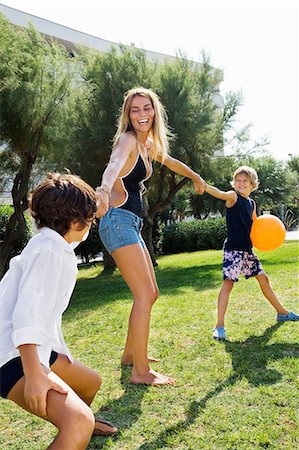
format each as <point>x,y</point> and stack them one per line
<point>142,136</point>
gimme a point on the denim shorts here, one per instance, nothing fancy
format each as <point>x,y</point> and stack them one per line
<point>120,227</point>
<point>236,262</point>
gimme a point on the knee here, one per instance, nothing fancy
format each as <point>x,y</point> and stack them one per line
<point>228,285</point>
<point>263,280</point>
<point>146,300</point>
<point>81,424</point>
<point>155,295</point>
<point>94,384</point>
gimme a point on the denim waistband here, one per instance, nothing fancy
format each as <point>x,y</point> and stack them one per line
<point>124,212</point>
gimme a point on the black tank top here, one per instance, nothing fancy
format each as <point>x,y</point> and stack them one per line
<point>134,187</point>
<point>239,222</point>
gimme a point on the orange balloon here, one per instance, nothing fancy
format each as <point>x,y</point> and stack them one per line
<point>267,232</point>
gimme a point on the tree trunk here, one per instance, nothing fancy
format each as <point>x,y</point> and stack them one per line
<point>109,264</point>
<point>16,226</point>
<point>147,234</point>
<point>151,211</point>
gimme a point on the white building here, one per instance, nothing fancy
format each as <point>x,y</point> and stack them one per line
<point>69,37</point>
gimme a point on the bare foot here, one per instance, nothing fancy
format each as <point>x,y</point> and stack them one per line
<point>129,361</point>
<point>152,378</point>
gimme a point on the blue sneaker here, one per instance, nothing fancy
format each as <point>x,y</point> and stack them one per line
<point>289,317</point>
<point>219,334</point>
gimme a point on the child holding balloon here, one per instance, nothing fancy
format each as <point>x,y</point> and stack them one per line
<point>238,255</point>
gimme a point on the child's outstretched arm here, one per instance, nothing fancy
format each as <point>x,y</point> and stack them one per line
<point>230,197</point>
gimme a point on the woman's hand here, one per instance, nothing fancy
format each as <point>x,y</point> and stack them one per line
<point>199,185</point>
<point>103,202</point>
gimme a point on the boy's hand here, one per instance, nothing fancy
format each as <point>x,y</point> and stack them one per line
<point>36,391</point>
<point>199,185</point>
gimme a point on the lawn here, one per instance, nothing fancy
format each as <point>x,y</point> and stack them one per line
<point>242,394</point>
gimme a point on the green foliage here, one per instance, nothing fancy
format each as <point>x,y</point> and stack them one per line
<point>107,76</point>
<point>194,235</point>
<point>217,172</point>
<point>36,81</point>
<point>5,213</point>
<point>188,90</point>
<point>158,234</point>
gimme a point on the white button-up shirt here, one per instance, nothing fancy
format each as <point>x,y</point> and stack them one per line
<point>34,293</point>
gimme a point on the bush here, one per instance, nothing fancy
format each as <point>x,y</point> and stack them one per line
<point>5,212</point>
<point>196,235</point>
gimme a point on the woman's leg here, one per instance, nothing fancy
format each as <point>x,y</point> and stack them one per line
<point>223,298</point>
<point>71,415</point>
<point>133,263</point>
<point>83,380</point>
<point>269,293</point>
<point>127,358</point>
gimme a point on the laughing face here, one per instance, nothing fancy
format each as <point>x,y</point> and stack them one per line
<point>141,114</point>
<point>243,184</point>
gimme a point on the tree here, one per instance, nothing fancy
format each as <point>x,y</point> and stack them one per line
<point>219,171</point>
<point>107,76</point>
<point>35,83</point>
<point>273,188</point>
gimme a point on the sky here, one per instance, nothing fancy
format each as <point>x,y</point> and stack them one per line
<point>254,42</point>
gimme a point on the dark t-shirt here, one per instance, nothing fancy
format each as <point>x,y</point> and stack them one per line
<point>239,222</point>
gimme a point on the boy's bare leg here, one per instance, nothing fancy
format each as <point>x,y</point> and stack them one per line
<point>71,415</point>
<point>223,298</point>
<point>133,264</point>
<point>269,293</point>
<point>83,380</point>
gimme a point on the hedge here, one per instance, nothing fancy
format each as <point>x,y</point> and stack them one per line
<point>195,235</point>
<point>5,212</point>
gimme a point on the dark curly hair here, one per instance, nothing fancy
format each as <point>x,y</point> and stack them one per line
<point>62,199</point>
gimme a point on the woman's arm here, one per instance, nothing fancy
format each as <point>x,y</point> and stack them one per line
<point>117,161</point>
<point>182,169</point>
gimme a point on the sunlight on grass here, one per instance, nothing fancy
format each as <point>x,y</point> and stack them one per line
<point>241,394</point>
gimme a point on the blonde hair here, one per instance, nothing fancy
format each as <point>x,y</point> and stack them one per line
<point>250,173</point>
<point>159,133</point>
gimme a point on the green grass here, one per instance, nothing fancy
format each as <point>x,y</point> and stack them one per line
<point>239,395</point>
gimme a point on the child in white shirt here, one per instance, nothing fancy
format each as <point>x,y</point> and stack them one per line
<point>37,371</point>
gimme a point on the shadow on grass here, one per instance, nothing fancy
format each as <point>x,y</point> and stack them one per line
<point>124,411</point>
<point>92,293</point>
<point>249,361</point>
